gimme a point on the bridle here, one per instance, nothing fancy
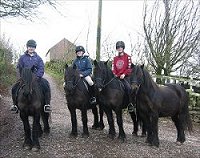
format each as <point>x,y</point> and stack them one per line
<point>103,84</point>
<point>74,83</point>
<point>136,82</point>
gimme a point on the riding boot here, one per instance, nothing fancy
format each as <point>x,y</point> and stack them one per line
<point>92,95</point>
<point>47,107</point>
<point>14,109</point>
<point>47,95</point>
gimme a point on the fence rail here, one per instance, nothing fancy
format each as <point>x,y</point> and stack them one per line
<point>193,84</point>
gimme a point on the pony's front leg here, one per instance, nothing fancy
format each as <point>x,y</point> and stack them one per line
<point>27,140</point>
<point>45,119</point>
<point>109,114</point>
<point>84,120</point>
<point>180,128</point>
<point>147,123</point>
<point>96,119</point>
<point>135,123</point>
<point>101,123</point>
<point>72,110</point>
<point>35,131</point>
<point>154,123</point>
<point>122,134</point>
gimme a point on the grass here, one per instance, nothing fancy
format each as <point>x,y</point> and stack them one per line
<point>58,77</point>
<point>6,81</point>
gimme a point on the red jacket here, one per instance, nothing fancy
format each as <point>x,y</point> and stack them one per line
<point>122,65</point>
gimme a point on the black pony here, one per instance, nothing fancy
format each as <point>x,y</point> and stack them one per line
<point>30,101</point>
<point>156,101</point>
<point>112,96</point>
<point>77,96</point>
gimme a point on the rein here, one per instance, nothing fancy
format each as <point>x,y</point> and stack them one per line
<point>74,85</point>
<point>104,85</point>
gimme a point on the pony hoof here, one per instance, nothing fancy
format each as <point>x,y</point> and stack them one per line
<point>73,135</point>
<point>85,135</point>
<point>95,127</point>
<point>102,127</point>
<point>47,131</point>
<point>111,136</point>
<point>143,135</point>
<point>35,148</point>
<point>179,143</point>
<point>135,134</point>
<point>155,144</point>
<point>122,140</point>
<point>27,147</point>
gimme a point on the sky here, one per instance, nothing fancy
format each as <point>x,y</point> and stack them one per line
<point>121,20</point>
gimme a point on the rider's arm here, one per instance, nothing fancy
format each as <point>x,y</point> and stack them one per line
<point>40,68</point>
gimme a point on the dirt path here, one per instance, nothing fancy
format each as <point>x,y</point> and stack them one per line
<point>58,144</point>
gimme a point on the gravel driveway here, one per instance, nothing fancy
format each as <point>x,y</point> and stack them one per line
<point>58,144</point>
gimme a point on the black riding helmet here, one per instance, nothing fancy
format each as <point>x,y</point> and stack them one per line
<point>120,44</point>
<point>31,43</point>
<point>80,48</point>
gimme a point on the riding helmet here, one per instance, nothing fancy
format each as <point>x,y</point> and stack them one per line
<point>80,48</point>
<point>31,43</point>
<point>120,44</point>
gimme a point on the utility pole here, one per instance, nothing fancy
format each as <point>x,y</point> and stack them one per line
<point>98,45</point>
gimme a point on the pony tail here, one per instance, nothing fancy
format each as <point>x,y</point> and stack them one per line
<point>185,110</point>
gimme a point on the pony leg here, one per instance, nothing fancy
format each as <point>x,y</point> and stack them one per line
<point>155,139</point>
<point>96,119</point>
<point>45,119</point>
<point>122,134</point>
<point>101,124</point>
<point>144,129</point>
<point>27,140</point>
<point>109,114</point>
<point>85,120</point>
<point>147,123</point>
<point>35,131</point>
<point>179,127</point>
<point>135,123</point>
<point>73,121</point>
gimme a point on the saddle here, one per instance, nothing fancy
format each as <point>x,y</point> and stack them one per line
<point>125,86</point>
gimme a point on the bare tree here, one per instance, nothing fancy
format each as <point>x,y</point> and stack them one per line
<point>137,51</point>
<point>171,36</point>
<point>192,66</point>
<point>23,8</point>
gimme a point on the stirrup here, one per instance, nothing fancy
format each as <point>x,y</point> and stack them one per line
<point>131,108</point>
<point>47,108</point>
<point>93,100</point>
<point>14,109</point>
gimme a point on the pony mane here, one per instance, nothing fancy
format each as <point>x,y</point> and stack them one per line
<point>26,75</point>
<point>149,82</point>
<point>28,79</point>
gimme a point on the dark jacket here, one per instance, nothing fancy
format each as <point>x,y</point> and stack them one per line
<point>28,61</point>
<point>84,65</point>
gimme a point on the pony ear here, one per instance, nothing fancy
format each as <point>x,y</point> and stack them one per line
<point>106,62</point>
<point>74,67</point>
<point>33,68</point>
<point>142,66</point>
<point>132,65</point>
<point>95,62</point>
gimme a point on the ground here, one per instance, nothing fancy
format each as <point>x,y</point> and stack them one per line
<point>58,144</point>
